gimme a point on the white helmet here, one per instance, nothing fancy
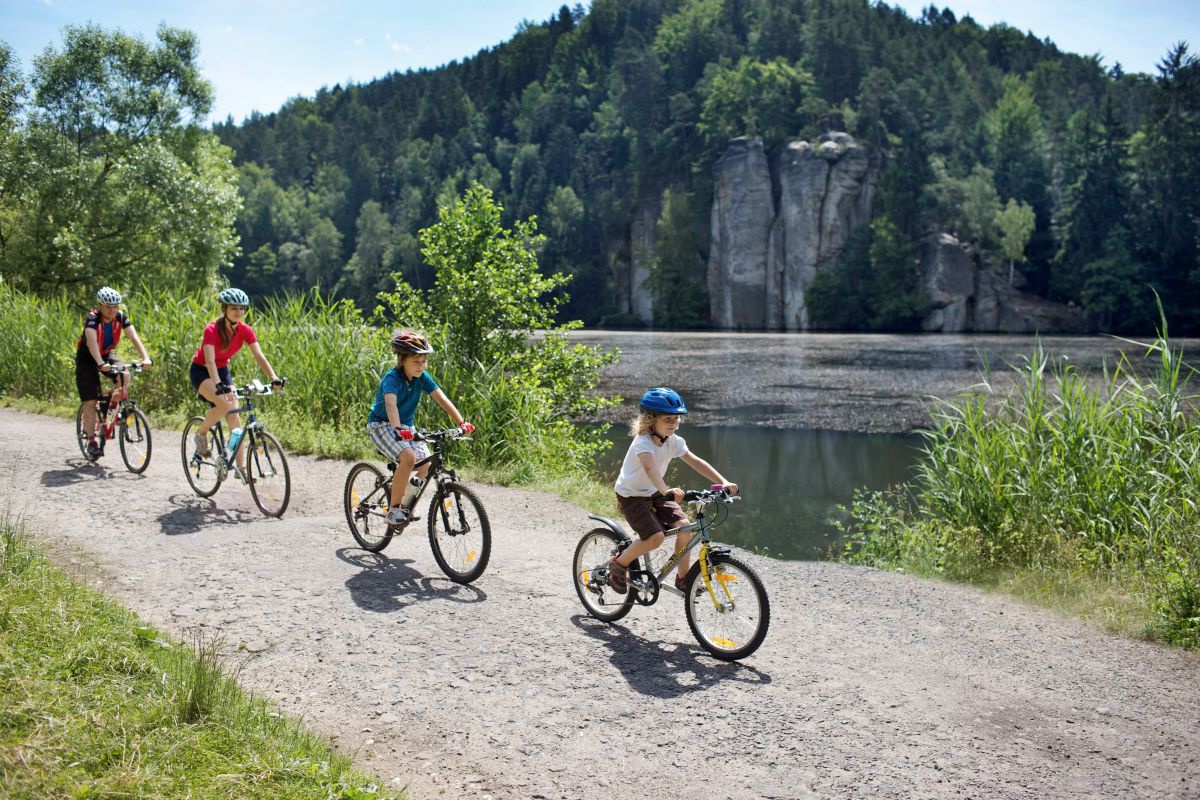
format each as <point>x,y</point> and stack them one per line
<point>108,296</point>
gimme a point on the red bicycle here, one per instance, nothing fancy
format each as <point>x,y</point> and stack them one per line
<point>118,417</point>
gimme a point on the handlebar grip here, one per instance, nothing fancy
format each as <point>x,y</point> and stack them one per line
<point>405,434</point>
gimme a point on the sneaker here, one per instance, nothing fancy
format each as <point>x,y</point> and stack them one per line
<point>241,474</point>
<point>397,515</point>
<point>94,450</point>
<point>618,577</point>
<point>202,448</point>
<point>681,583</point>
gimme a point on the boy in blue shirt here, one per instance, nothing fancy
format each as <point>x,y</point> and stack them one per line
<point>393,409</point>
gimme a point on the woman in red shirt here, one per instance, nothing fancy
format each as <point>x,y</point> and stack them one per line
<point>210,375</point>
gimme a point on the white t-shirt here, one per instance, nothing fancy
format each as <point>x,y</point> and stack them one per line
<point>633,480</point>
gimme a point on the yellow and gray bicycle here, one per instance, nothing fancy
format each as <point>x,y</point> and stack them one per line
<point>725,601</point>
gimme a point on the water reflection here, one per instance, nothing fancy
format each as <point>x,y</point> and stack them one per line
<point>792,480</point>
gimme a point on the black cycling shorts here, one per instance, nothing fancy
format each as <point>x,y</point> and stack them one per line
<point>87,375</point>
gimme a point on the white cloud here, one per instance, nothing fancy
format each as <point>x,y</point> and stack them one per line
<point>358,40</point>
<point>228,29</point>
<point>401,48</point>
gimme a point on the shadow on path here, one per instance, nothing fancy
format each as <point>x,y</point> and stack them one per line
<point>192,514</point>
<point>664,670</point>
<point>389,584</point>
<point>78,470</point>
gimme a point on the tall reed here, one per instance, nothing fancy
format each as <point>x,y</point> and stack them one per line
<point>1061,477</point>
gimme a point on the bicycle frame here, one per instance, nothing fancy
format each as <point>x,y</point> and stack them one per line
<point>246,394</point>
<point>438,473</point>
<point>115,399</point>
<point>703,541</point>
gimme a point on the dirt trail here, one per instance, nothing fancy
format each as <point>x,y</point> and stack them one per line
<point>870,684</point>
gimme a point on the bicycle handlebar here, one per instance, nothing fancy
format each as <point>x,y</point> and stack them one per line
<point>256,387</point>
<point>710,495</point>
<point>411,434</point>
<point>121,369</point>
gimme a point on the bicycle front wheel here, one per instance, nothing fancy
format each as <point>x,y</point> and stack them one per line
<point>81,437</point>
<point>203,472</point>
<point>267,471</point>
<point>366,500</point>
<point>731,621</point>
<point>135,441</point>
<point>459,533</point>
<point>590,575</point>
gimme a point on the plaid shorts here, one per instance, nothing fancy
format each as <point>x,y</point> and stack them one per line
<point>390,445</point>
<point>650,515</point>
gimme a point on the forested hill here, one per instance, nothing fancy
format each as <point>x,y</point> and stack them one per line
<point>1077,173</point>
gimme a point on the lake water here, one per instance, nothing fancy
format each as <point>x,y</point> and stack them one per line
<point>802,420</point>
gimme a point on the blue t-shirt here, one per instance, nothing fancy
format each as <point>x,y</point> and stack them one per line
<point>407,395</point>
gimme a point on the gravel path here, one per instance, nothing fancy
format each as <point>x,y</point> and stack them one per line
<point>870,684</point>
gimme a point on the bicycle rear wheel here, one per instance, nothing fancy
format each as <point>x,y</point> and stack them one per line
<point>267,470</point>
<point>731,622</point>
<point>81,437</point>
<point>459,533</point>
<point>203,472</point>
<point>589,573</point>
<point>366,499</point>
<point>135,440</point>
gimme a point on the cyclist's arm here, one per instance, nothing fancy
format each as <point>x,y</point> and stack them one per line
<point>210,361</point>
<point>137,342</point>
<point>442,400</point>
<point>707,470</point>
<point>647,462</point>
<point>263,364</point>
<point>393,413</point>
<point>93,346</point>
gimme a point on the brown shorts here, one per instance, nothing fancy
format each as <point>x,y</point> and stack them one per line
<point>650,515</point>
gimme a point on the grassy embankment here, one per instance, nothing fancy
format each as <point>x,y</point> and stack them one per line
<point>333,359</point>
<point>1081,499</point>
<point>95,704</point>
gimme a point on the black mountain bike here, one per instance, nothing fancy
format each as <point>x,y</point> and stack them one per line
<point>117,416</point>
<point>459,532</point>
<point>725,601</point>
<point>266,470</point>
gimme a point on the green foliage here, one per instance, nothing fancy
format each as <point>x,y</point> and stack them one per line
<point>108,176</point>
<point>873,286</point>
<point>1058,478</point>
<point>502,358</point>
<point>677,266</point>
<point>96,704</point>
<point>752,98</point>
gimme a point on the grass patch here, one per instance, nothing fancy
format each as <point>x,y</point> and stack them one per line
<point>95,704</point>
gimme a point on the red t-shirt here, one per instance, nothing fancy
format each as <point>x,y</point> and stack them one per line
<point>241,335</point>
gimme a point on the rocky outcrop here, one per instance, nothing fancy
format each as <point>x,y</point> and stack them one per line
<point>642,238</point>
<point>763,259</point>
<point>742,212</point>
<point>825,191</point>
<point>969,294</point>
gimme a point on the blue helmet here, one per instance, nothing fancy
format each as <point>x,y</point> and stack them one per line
<point>234,297</point>
<point>662,400</point>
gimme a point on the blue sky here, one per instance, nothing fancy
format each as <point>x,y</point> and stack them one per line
<point>259,53</point>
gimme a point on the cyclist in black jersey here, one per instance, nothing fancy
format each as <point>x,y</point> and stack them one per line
<point>94,354</point>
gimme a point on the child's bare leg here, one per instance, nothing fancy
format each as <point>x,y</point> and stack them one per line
<point>404,467</point>
<point>639,548</point>
<point>681,541</point>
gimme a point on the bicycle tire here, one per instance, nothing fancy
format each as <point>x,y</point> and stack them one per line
<point>461,546</point>
<point>595,550</point>
<point>267,468</point>
<point>359,507</point>
<point>136,444</point>
<point>201,472</point>
<point>81,437</point>
<point>728,634</point>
